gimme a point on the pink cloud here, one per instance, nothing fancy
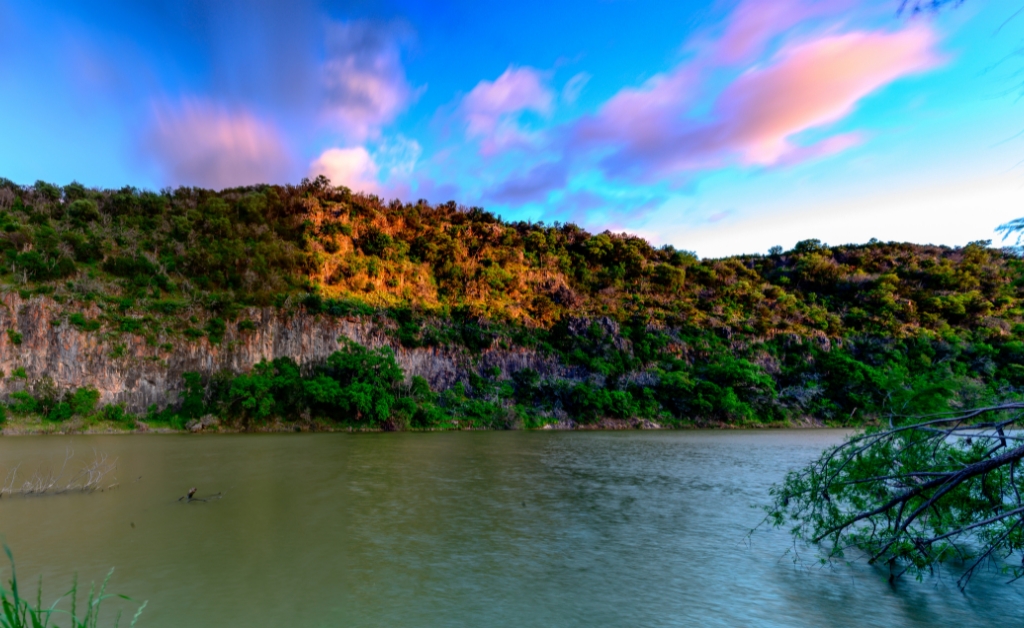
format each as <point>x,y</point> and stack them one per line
<point>493,105</point>
<point>642,115</point>
<point>825,148</point>
<point>706,112</point>
<point>352,167</point>
<point>364,78</point>
<point>755,23</point>
<point>198,143</point>
<point>815,84</point>
<point>387,172</point>
<point>651,133</point>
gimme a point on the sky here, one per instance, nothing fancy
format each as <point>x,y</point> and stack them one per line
<point>721,127</point>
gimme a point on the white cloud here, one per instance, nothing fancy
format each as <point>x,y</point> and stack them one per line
<point>351,167</point>
<point>573,87</point>
<point>397,157</point>
<point>515,91</point>
<point>364,78</point>
<point>386,172</point>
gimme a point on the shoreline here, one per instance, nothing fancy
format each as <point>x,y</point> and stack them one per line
<point>41,428</point>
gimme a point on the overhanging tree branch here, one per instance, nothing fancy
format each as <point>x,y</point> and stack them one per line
<point>916,493</point>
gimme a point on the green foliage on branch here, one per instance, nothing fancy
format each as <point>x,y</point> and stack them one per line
<point>916,494</point>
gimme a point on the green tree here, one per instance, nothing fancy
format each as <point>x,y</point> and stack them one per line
<point>193,397</point>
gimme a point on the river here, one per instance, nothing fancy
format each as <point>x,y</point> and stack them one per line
<point>455,529</point>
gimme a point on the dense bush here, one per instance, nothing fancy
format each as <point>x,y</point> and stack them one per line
<point>45,400</point>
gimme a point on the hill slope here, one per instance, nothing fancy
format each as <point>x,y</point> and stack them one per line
<point>834,333</point>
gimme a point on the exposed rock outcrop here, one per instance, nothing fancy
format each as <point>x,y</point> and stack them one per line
<point>127,369</point>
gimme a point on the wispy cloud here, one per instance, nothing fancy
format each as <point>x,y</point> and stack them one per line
<point>195,142</point>
<point>516,90</point>
<point>492,109</point>
<point>364,80</point>
<point>603,211</point>
<point>753,24</point>
<point>398,157</point>
<point>574,86</point>
<point>650,133</point>
<point>727,108</point>
<point>532,185</point>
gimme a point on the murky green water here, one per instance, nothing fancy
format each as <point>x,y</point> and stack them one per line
<point>457,529</point>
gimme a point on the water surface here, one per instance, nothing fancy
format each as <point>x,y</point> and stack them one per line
<point>458,529</point>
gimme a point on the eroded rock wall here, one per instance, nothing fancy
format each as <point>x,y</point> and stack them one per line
<point>125,368</point>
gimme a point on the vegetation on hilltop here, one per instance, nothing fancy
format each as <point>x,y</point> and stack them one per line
<point>841,333</point>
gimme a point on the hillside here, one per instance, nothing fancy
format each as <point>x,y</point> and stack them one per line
<point>492,323</point>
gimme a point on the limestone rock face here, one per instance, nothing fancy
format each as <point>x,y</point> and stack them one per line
<point>126,369</point>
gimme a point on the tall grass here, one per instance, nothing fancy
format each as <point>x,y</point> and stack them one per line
<point>17,612</point>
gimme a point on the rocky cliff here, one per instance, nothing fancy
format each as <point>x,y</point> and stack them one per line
<point>127,369</point>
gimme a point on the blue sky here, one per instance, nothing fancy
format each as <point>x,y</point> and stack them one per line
<point>719,127</point>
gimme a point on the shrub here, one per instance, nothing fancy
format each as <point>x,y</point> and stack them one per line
<point>23,402</point>
<point>669,277</point>
<point>46,394</point>
<point>166,306</point>
<point>130,267</point>
<point>429,415</point>
<point>87,249</point>
<point>48,191</point>
<point>79,321</point>
<point>215,328</point>
<point>83,401</point>
<point>15,337</point>
<point>115,413</point>
<point>313,303</point>
<point>375,242</point>
<point>44,267</point>
<point>83,211</point>
<point>60,412</point>
<point>347,307</point>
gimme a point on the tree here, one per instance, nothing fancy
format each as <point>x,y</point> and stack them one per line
<point>916,495</point>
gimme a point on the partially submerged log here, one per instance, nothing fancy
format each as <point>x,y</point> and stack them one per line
<point>191,497</point>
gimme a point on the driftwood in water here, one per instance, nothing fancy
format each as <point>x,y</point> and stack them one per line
<point>51,480</point>
<point>191,497</point>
